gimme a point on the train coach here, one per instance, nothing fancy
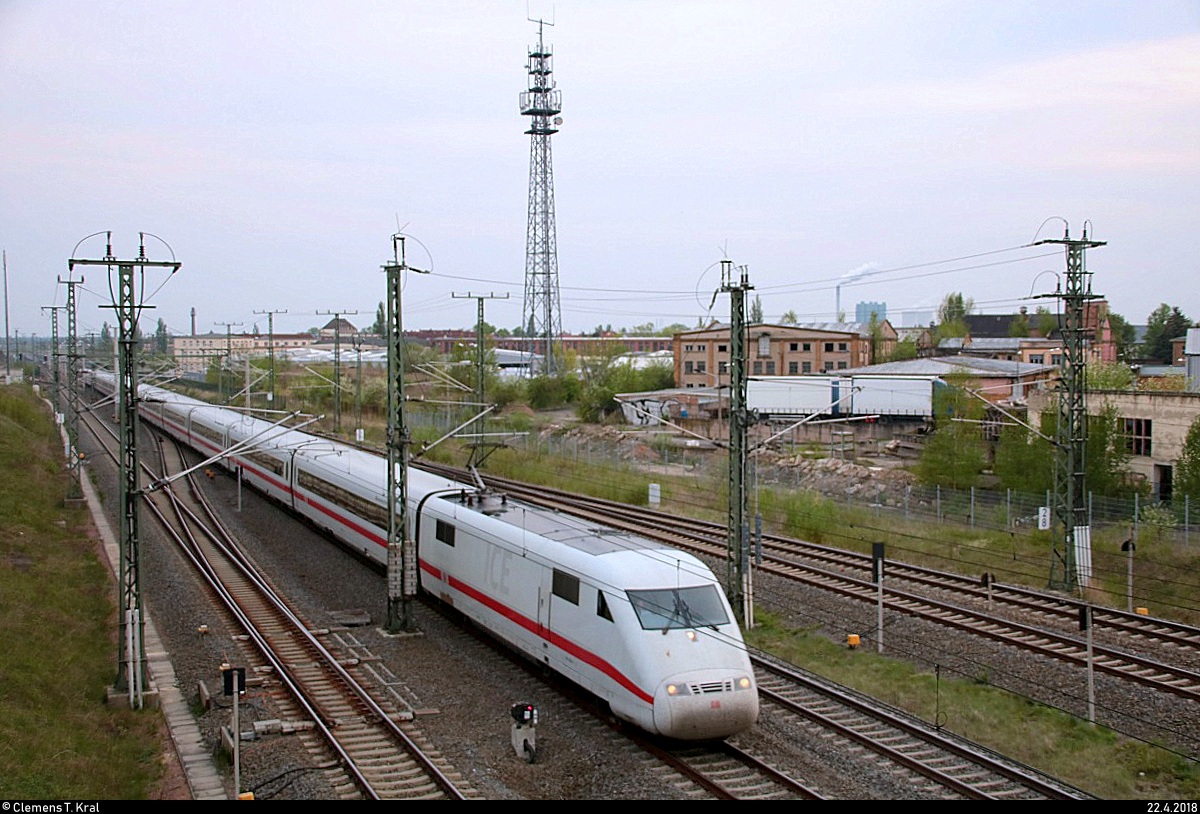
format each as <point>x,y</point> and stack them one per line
<point>642,626</point>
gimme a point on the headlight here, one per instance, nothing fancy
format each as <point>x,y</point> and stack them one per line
<point>743,683</point>
<point>678,689</point>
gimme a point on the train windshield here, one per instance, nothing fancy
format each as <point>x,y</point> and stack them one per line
<point>666,608</point>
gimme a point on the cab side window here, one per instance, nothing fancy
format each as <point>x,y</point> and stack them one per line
<point>566,586</point>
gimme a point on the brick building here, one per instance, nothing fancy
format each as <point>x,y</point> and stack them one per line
<point>702,356</point>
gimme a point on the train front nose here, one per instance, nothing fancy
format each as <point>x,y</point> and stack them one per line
<point>706,704</point>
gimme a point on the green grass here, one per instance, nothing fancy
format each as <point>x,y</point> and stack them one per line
<point>58,738</point>
<point>1092,758</point>
<point>624,485</point>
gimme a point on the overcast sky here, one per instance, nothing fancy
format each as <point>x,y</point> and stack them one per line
<point>841,151</point>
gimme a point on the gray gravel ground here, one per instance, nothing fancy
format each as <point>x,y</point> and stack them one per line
<point>464,689</point>
<point>461,688</point>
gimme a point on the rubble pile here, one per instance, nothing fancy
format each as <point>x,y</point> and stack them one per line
<point>878,479</point>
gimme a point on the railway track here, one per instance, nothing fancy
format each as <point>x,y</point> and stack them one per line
<point>710,771</point>
<point>943,764</point>
<point>374,748</point>
<point>729,772</point>
<point>951,600</point>
<point>296,669</point>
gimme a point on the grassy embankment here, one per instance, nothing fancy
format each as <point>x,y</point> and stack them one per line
<point>58,738</point>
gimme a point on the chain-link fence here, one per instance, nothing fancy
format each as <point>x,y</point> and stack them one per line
<point>1011,509</point>
<point>976,507</point>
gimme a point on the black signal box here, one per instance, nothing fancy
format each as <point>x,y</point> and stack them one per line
<point>232,674</point>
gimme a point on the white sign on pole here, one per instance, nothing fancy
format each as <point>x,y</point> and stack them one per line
<point>1043,517</point>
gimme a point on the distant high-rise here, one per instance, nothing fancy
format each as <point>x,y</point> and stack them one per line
<point>542,103</point>
<point>917,317</point>
<point>863,311</point>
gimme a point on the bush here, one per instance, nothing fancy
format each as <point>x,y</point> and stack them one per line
<point>1158,518</point>
<point>503,392</point>
<point>597,401</point>
<point>548,392</point>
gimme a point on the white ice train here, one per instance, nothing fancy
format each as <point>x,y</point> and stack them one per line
<point>645,627</point>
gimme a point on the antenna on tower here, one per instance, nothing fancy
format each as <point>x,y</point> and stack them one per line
<point>542,102</point>
<point>538,19</point>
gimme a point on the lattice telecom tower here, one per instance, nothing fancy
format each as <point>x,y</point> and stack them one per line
<point>542,103</point>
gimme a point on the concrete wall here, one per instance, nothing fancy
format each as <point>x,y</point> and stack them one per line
<point>1170,416</point>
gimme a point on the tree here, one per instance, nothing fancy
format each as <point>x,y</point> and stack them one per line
<point>1109,376</point>
<point>954,307</point>
<point>161,336</point>
<point>955,454</point>
<point>1047,322</point>
<point>603,381</point>
<point>1123,335</point>
<point>415,354</point>
<point>905,349</point>
<point>1187,468</point>
<point>546,392</point>
<point>1024,461</point>
<point>672,329</point>
<point>789,318</point>
<point>952,315</point>
<point>379,326</point>
<point>875,331</point>
<point>1164,324</point>
<point>1019,326</point>
<point>756,311</point>
<point>1106,454</point>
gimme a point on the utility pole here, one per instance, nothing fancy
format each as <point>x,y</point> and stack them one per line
<point>1071,553</point>
<point>480,361</point>
<point>7,346</point>
<point>131,661</point>
<point>357,341</point>
<point>738,558</point>
<point>228,357</point>
<point>74,485</point>
<point>401,559</point>
<point>271,349</point>
<point>54,309</point>
<point>337,366</point>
